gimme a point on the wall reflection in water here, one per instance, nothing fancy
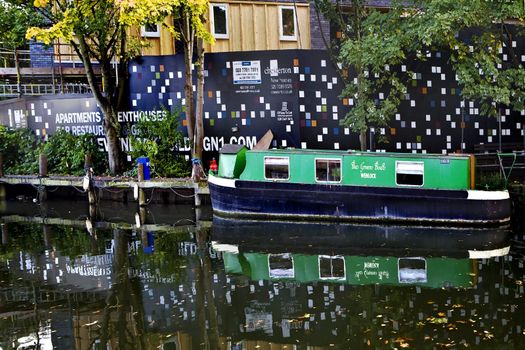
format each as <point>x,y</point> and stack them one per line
<point>251,285</point>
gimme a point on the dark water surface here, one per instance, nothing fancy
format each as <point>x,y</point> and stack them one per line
<point>173,278</point>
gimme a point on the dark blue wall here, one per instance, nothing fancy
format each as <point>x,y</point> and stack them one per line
<point>295,93</point>
<point>301,103</point>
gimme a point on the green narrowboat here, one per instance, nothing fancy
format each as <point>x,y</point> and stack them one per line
<point>353,186</point>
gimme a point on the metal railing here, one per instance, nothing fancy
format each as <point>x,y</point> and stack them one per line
<point>510,165</point>
<point>14,90</point>
<point>41,71</point>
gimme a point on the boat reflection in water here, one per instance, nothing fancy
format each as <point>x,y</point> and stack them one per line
<point>356,254</point>
<point>305,281</point>
<point>303,277</point>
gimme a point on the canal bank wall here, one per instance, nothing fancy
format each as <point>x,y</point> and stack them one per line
<point>120,189</point>
<point>157,191</point>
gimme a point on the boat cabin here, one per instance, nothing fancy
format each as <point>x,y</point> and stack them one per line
<point>353,168</point>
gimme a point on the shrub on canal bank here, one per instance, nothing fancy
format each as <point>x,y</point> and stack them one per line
<point>491,181</point>
<point>160,141</point>
<point>66,153</point>
<point>19,150</point>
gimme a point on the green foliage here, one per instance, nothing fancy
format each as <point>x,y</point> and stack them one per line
<point>18,147</point>
<point>74,242</point>
<point>492,181</point>
<point>14,22</point>
<point>68,241</point>
<point>160,141</point>
<point>25,237</point>
<point>373,87</point>
<point>66,153</point>
<point>486,28</point>
<point>472,32</point>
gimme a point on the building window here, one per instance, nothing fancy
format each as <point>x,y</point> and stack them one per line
<point>412,270</point>
<point>287,24</point>
<point>151,30</point>
<point>332,267</point>
<point>410,173</point>
<point>276,168</point>
<point>219,21</point>
<point>328,170</point>
<point>281,265</point>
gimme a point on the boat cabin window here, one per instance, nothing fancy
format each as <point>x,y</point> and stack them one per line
<point>412,270</point>
<point>276,168</point>
<point>409,173</point>
<point>332,267</point>
<point>328,170</point>
<point>281,265</point>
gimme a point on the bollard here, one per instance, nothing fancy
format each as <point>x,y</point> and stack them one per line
<point>2,187</point>
<point>143,215</point>
<point>196,195</point>
<point>88,167</point>
<point>140,175</point>
<point>90,223</point>
<point>198,215</point>
<point>42,165</point>
<point>48,236</point>
<point>197,199</point>
<point>5,235</point>
<point>91,197</point>
<point>42,172</point>
<point>88,161</point>
<point>93,213</point>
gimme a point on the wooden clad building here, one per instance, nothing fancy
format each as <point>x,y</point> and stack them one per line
<point>160,41</point>
<point>259,25</point>
<point>243,26</point>
<point>237,25</point>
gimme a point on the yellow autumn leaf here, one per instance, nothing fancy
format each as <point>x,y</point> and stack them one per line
<point>438,320</point>
<point>488,335</point>
<point>40,3</point>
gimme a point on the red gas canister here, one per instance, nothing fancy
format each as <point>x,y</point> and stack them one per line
<point>213,166</point>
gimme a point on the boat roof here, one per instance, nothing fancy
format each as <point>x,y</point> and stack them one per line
<point>231,148</point>
<point>358,153</point>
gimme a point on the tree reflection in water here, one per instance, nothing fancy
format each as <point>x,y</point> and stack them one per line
<point>124,287</point>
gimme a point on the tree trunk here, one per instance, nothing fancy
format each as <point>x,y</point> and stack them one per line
<point>362,140</point>
<point>197,171</point>
<point>112,141</point>
<point>360,68</point>
<point>18,74</point>
<point>188,84</point>
<point>107,105</point>
<point>111,125</point>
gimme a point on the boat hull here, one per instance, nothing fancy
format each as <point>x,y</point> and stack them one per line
<point>267,200</point>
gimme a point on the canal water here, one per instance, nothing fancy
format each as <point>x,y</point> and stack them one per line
<point>176,278</point>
